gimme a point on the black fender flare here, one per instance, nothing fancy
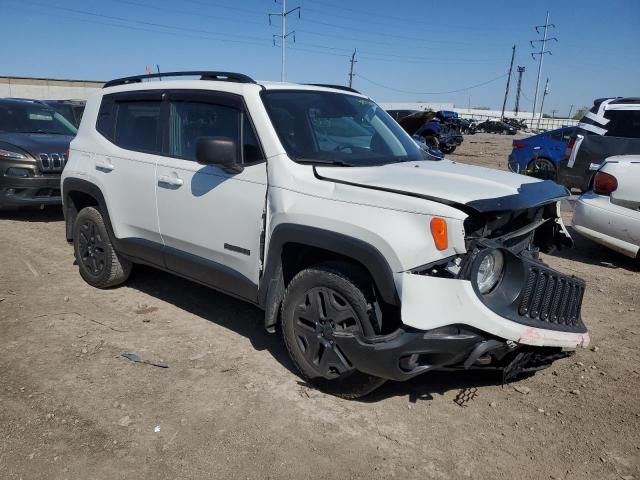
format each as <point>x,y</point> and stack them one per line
<point>271,290</point>
<point>84,186</point>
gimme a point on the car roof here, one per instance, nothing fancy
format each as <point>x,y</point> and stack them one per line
<point>210,80</point>
<point>8,102</point>
<point>617,101</point>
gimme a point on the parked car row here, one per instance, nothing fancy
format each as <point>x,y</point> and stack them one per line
<point>600,157</point>
<point>345,237</point>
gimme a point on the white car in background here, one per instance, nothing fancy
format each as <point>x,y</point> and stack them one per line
<point>610,213</point>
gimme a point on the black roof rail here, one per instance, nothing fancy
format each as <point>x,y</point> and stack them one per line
<point>204,75</point>
<point>337,87</point>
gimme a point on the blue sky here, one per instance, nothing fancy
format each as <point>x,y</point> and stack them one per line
<point>404,46</point>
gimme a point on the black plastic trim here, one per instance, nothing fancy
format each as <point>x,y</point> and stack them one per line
<point>271,289</point>
<point>403,354</point>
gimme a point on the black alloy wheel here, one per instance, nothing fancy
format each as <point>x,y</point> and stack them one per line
<point>91,247</point>
<point>319,302</point>
<point>322,312</point>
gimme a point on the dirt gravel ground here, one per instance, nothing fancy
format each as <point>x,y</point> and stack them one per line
<point>230,406</point>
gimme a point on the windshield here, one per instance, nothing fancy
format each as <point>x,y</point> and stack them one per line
<point>336,128</point>
<point>33,118</point>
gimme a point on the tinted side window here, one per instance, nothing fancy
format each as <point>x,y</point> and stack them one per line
<point>189,121</point>
<point>138,125</point>
<point>106,118</point>
<point>251,150</point>
<point>557,135</point>
<point>623,123</point>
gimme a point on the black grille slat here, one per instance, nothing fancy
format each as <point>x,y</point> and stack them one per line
<point>546,300</point>
<point>528,289</point>
<point>551,298</point>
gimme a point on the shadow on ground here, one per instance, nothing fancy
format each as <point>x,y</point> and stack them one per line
<point>592,253</point>
<point>247,320</point>
<point>224,310</point>
<point>48,214</point>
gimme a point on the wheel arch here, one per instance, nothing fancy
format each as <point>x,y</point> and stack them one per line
<point>295,247</point>
<point>78,194</point>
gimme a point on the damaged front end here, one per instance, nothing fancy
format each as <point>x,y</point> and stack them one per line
<point>518,321</point>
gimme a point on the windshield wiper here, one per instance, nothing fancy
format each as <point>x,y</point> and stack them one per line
<point>309,161</point>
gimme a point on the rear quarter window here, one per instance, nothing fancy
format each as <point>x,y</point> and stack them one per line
<point>623,123</point>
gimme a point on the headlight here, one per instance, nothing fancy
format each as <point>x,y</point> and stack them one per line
<point>19,172</point>
<point>490,271</point>
<point>10,154</point>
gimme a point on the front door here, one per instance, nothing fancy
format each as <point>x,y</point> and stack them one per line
<point>211,220</point>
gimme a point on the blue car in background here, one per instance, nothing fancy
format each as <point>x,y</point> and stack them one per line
<point>540,154</point>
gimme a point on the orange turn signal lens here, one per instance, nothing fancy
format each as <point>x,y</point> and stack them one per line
<point>439,233</point>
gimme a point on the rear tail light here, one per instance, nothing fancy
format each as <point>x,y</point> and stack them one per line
<point>519,144</point>
<point>604,183</point>
<point>439,233</point>
<point>567,152</point>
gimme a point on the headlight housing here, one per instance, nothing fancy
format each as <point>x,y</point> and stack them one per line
<point>490,271</point>
<point>10,154</point>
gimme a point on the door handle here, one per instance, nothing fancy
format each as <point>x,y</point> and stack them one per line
<point>104,164</point>
<point>170,180</point>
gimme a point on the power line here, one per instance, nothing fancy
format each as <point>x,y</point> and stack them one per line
<point>352,62</point>
<point>519,88</point>
<point>433,93</point>
<point>506,91</point>
<point>283,14</point>
<point>541,55</point>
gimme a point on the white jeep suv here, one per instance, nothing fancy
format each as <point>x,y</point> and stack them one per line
<point>376,261</point>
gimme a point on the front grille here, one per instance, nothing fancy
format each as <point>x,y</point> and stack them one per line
<point>52,162</point>
<point>551,298</point>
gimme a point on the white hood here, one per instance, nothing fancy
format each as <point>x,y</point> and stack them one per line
<point>484,189</point>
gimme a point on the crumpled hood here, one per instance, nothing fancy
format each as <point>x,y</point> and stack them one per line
<point>463,186</point>
<point>37,143</point>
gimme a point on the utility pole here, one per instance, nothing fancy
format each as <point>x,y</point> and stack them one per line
<point>518,90</point>
<point>570,110</point>
<point>283,37</point>
<point>544,94</point>
<point>506,91</point>
<point>553,114</point>
<point>351,74</point>
<point>541,55</point>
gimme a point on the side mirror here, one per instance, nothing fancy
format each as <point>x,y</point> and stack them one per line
<point>220,151</point>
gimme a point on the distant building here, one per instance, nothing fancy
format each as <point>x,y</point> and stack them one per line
<point>47,88</point>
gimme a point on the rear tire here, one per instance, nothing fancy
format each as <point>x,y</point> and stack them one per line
<point>320,300</point>
<point>448,149</point>
<point>98,262</point>
<point>543,168</point>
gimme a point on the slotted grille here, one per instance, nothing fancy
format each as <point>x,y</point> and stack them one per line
<point>52,162</point>
<point>551,298</point>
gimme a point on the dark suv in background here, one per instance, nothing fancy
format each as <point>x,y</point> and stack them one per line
<point>611,127</point>
<point>34,144</point>
<point>72,110</point>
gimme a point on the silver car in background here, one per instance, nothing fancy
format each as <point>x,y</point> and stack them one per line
<point>610,213</point>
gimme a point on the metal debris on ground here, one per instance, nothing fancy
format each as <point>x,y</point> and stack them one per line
<point>138,359</point>
<point>465,396</point>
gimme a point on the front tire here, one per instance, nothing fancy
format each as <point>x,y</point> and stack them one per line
<point>98,262</point>
<point>319,301</point>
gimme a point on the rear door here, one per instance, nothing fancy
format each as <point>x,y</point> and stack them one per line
<point>211,220</point>
<point>125,166</point>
